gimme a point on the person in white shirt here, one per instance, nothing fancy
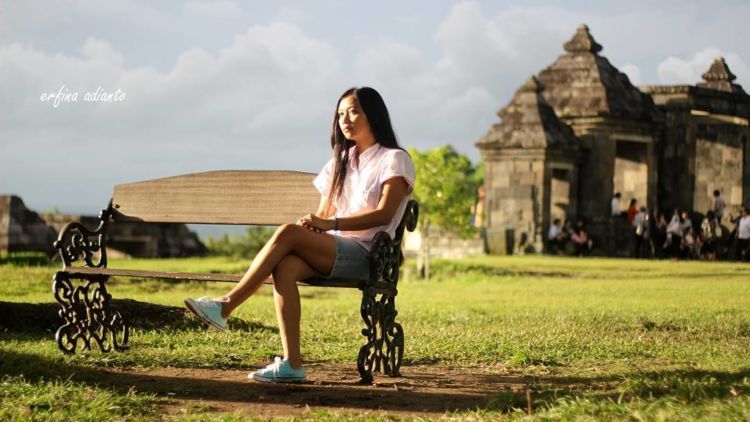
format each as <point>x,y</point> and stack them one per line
<point>556,237</point>
<point>743,234</point>
<point>674,235</point>
<point>639,228</point>
<point>616,212</point>
<point>364,189</point>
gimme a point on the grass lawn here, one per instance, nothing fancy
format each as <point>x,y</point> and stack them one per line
<point>599,338</point>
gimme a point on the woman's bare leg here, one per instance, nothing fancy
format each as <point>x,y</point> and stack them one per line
<point>288,308</point>
<point>318,250</point>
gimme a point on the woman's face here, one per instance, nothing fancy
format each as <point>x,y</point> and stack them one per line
<point>352,119</point>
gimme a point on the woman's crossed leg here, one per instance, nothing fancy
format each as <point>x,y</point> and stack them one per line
<point>293,253</point>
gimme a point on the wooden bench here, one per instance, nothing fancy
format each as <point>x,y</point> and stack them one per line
<point>217,197</point>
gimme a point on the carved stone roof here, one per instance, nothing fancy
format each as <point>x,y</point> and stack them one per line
<point>719,77</point>
<point>581,83</point>
<point>582,42</point>
<point>529,122</point>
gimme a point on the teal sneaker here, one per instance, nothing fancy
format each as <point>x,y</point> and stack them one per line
<point>279,371</point>
<point>208,310</point>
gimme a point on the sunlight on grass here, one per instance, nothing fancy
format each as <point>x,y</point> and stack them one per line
<point>670,338</point>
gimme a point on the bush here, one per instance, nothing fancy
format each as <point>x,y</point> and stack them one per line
<point>245,245</point>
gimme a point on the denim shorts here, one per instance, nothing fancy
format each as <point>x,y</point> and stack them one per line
<point>352,261</point>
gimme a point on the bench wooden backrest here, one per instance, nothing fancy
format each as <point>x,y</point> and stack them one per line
<point>219,197</point>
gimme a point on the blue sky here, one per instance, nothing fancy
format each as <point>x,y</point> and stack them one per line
<point>251,85</point>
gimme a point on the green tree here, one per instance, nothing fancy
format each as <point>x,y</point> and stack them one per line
<point>446,189</point>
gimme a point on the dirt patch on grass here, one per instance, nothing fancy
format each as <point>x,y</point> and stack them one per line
<point>421,390</point>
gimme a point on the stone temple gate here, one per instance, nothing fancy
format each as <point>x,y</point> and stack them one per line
<point>579,131</point>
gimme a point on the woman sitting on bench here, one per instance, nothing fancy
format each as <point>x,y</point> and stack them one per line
<point>364,189</point>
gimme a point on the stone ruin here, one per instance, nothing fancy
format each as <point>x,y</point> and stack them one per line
<point>23,230</point>
<point>579,131</point>
<point>142,240</point>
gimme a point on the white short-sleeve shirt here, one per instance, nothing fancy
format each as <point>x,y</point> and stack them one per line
<point>363,186</point>
<point>743,231</point>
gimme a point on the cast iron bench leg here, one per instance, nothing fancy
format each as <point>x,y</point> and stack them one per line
<point>394,339</point>
<point>379,316</point>
<point>87,315</point>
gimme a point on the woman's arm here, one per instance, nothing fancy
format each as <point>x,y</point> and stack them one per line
<point>394,191</point>
<point>323,211</point>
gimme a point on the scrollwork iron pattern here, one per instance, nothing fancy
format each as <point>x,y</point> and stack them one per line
<point>384,348</point>
<point>77,243</point>
<point>88,318</point>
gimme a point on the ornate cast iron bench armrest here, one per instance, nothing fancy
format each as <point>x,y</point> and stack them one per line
<point>85,308</point>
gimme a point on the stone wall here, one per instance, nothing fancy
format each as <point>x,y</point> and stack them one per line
<point>676,171</point>
<point>21,229</point>
<point>704,147</point>
<point>631,171</point>
<point>563,197</point>
<point>718,166</point>
<point>514,212</point>
<point>443,245</point>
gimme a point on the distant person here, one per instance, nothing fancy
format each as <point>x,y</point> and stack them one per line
<point>659,235</point>
<point>732,238</point>
<point>674,235</point>
<point>567,232</point>
<point>556,237</point>
<point>632,210</point>
<point>687,223</point>
<point>639,229</point>
<point>719,205</point>
<point>616,211</point>
<point>743,234</point>
<point>711,232</point>
<point>688,244</point>
<point>649,233</point>
<point>581,239</point>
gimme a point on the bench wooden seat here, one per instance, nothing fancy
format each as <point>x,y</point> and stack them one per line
<point>217,197</point>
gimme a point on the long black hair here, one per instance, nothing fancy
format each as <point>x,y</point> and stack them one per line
<point>373,106</point>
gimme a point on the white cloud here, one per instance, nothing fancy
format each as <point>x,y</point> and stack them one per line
<point>431,107</point>
<point>270,91</point>
<point>484,60</point>
<point>99,50</point>
<point>633,72</point>
<point>502,51</point>
<point>199,97</point>
<point>674,70</point>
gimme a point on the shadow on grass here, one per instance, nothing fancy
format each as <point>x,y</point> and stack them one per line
<point>687,386</point>
<point>30,259</point>
<point>421,389</point>
<point>43,318</point>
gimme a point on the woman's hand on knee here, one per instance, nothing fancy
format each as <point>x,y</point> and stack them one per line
<point>316,224</point>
